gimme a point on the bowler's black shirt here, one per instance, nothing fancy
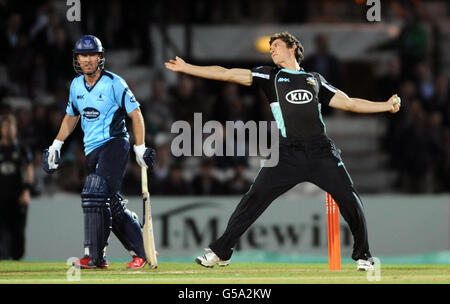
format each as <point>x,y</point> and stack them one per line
<point>296,99</point>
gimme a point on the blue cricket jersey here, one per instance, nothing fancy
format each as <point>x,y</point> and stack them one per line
<point>103,108</point>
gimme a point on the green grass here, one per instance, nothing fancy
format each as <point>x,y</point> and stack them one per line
<point>236,273</point>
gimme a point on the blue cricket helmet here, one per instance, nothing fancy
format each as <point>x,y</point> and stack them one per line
<point>88,44</point>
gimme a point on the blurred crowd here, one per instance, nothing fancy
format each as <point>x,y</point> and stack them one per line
<point>418,138</point>
<point>36,65</point>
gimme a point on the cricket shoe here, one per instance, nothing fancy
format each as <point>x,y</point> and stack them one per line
<point>137,263</point>
<point>210,259</point>
<point>86,263</point>
<point>364,265</point>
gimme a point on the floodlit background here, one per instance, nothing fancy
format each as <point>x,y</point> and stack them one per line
<point>400,163</point>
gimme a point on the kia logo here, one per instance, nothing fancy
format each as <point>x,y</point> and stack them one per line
<point>299,96</point>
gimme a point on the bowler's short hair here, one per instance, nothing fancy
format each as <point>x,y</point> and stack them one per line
<point>290,41</point>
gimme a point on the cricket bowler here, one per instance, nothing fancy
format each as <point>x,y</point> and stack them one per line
<point>103,100</point>
<point>307,154</point>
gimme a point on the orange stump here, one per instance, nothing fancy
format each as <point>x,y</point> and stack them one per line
<point>334,244</point>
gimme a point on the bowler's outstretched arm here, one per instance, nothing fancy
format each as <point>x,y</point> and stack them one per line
<point>240,76</point>
<point>341,101</point>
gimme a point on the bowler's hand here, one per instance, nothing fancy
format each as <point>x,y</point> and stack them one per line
<point>145,157</point>
<point>395,103</point>
<point>176,65</point>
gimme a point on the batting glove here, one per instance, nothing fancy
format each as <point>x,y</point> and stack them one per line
<point>51,157</point>
<point>144,156</point>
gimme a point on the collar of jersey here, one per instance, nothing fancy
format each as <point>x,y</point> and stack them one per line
<point>86,85</point>
<point>293,72</point>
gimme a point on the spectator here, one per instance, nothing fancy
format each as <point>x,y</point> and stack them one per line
<point>42,135</point>
<point>411,44</point>
<point>230,148</point>
<point>18,64</point>
<point>58,58</point>
<point>229,94</point>
<point>132,183</point>
<point>416,153</point>
<point>55,117</point>
<point>425,84</point>
<point>43,31</point>
<point>40,177</point>
<point>157,110</point>
<point>436,135</point>
<point>239,184</point>
<point>38,77</point>
<point>184,99</point>
<point>174,184</point>
<point>325,63</point>
<point>187,99</point>
<point>396,127</point>
<point>229,106</point>
<point>9,38</point>
<point>26,129</point>
<point>390,81</point>
<point>205,183</point>
<point>162,163</point>
<point>16,180</point>
<point>440,100</point>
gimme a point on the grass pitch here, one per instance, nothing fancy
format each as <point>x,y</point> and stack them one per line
<point>12,272</point>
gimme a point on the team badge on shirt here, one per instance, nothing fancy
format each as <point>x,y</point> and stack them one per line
<point>311,80</point>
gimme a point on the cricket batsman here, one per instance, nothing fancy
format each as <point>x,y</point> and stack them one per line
<point>307,154</point>
<point>103,100</point>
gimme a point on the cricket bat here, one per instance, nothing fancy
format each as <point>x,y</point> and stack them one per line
<point>147,228</point>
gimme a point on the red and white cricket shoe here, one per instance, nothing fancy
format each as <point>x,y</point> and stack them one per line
<point>86,263</point>
<point>136,263</point>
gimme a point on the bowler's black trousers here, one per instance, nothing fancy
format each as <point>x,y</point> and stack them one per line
<point>317,161</point>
